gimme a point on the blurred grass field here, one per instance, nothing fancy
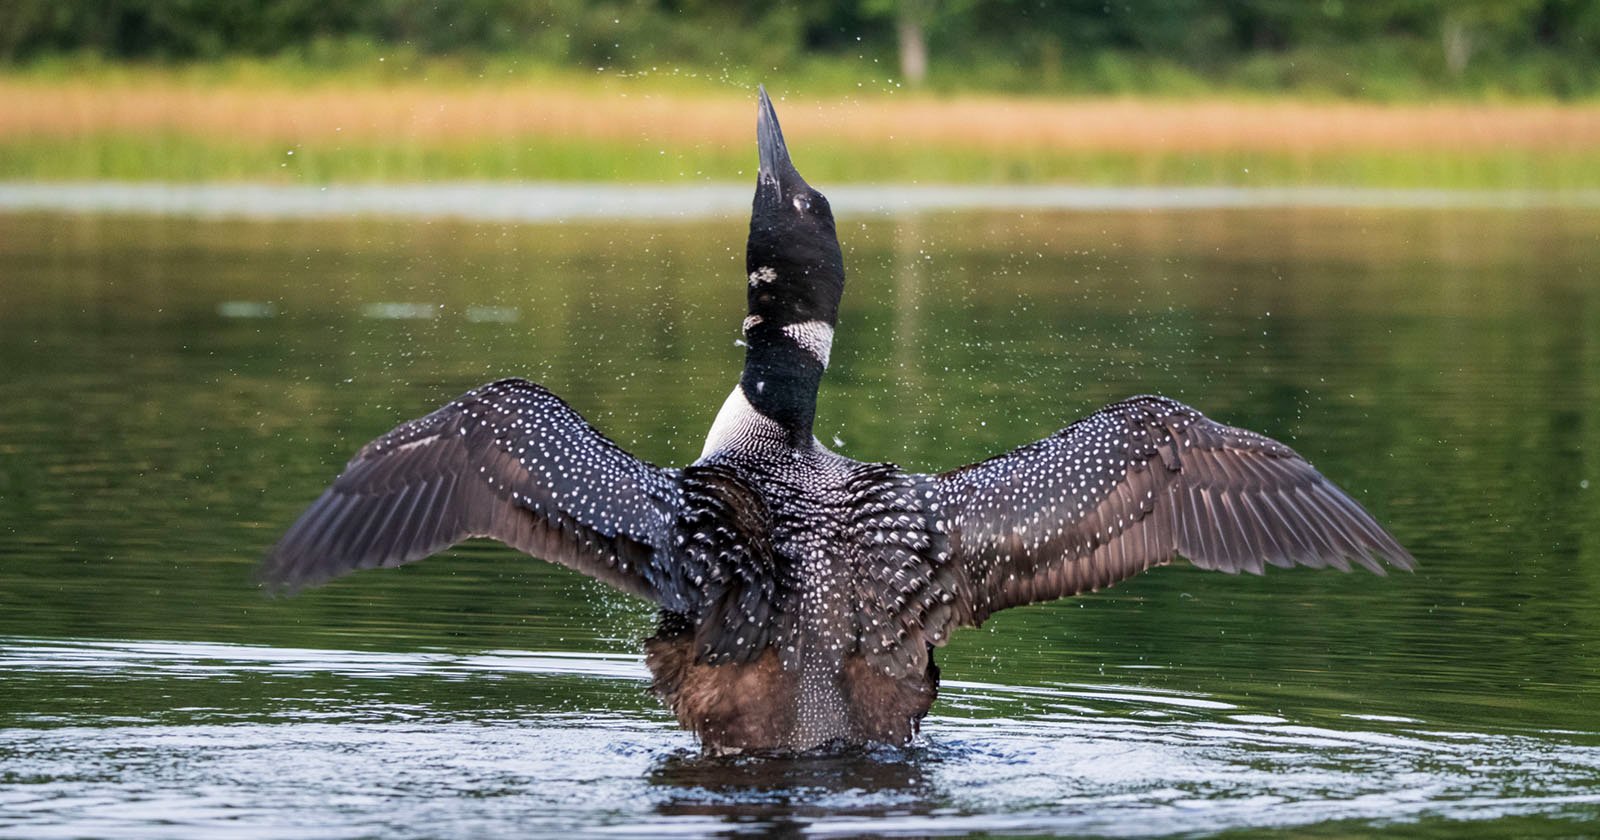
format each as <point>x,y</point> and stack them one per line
<point>142,123</point>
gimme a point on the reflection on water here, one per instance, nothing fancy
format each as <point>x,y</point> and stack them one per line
<point>175,391</point>
<point>336,743</point>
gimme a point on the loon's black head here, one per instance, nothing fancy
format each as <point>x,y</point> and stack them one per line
<point>795,268</point>
<point>796,276</point>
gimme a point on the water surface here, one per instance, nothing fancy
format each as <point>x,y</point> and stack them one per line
<point>558,202</point>
<point>176,390</point>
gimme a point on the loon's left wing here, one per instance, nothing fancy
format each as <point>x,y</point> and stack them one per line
<point>1133,486</point>
<point>510,461</point>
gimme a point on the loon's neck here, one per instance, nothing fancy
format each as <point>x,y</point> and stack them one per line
<point>787,351</point>
<point>783,367</point>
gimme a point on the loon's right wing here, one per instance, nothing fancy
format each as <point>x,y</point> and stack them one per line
<point>510,461</point>
<point>1135,485</point>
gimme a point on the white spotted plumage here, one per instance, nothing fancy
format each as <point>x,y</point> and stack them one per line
<point>739,425</point>
<point>814,337</point>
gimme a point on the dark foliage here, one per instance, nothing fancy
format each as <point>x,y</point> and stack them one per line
<point>1340,46</point>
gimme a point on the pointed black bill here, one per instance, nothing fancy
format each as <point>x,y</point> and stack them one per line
<point>776,168</point>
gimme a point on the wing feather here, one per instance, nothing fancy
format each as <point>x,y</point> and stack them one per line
<point>510,461</point>
<point>1136,485</point>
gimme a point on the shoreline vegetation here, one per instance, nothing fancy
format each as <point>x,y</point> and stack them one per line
<point>242,121</point>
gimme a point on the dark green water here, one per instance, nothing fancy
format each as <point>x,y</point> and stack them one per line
<point>173,392</point>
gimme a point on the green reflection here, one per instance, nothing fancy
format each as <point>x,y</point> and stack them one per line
<point>175,392</point>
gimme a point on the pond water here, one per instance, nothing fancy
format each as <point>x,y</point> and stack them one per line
<point>174,391</point>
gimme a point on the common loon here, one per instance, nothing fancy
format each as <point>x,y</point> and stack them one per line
<point>802,593</point>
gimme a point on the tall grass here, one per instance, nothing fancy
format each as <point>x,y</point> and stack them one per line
<point>185,158</point>
<point>138,125</point>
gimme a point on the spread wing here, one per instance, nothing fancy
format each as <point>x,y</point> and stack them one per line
<point>1135,485</point>
<point>510,461</point>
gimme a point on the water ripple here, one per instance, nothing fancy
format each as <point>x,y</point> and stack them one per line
<point>353,756</point>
